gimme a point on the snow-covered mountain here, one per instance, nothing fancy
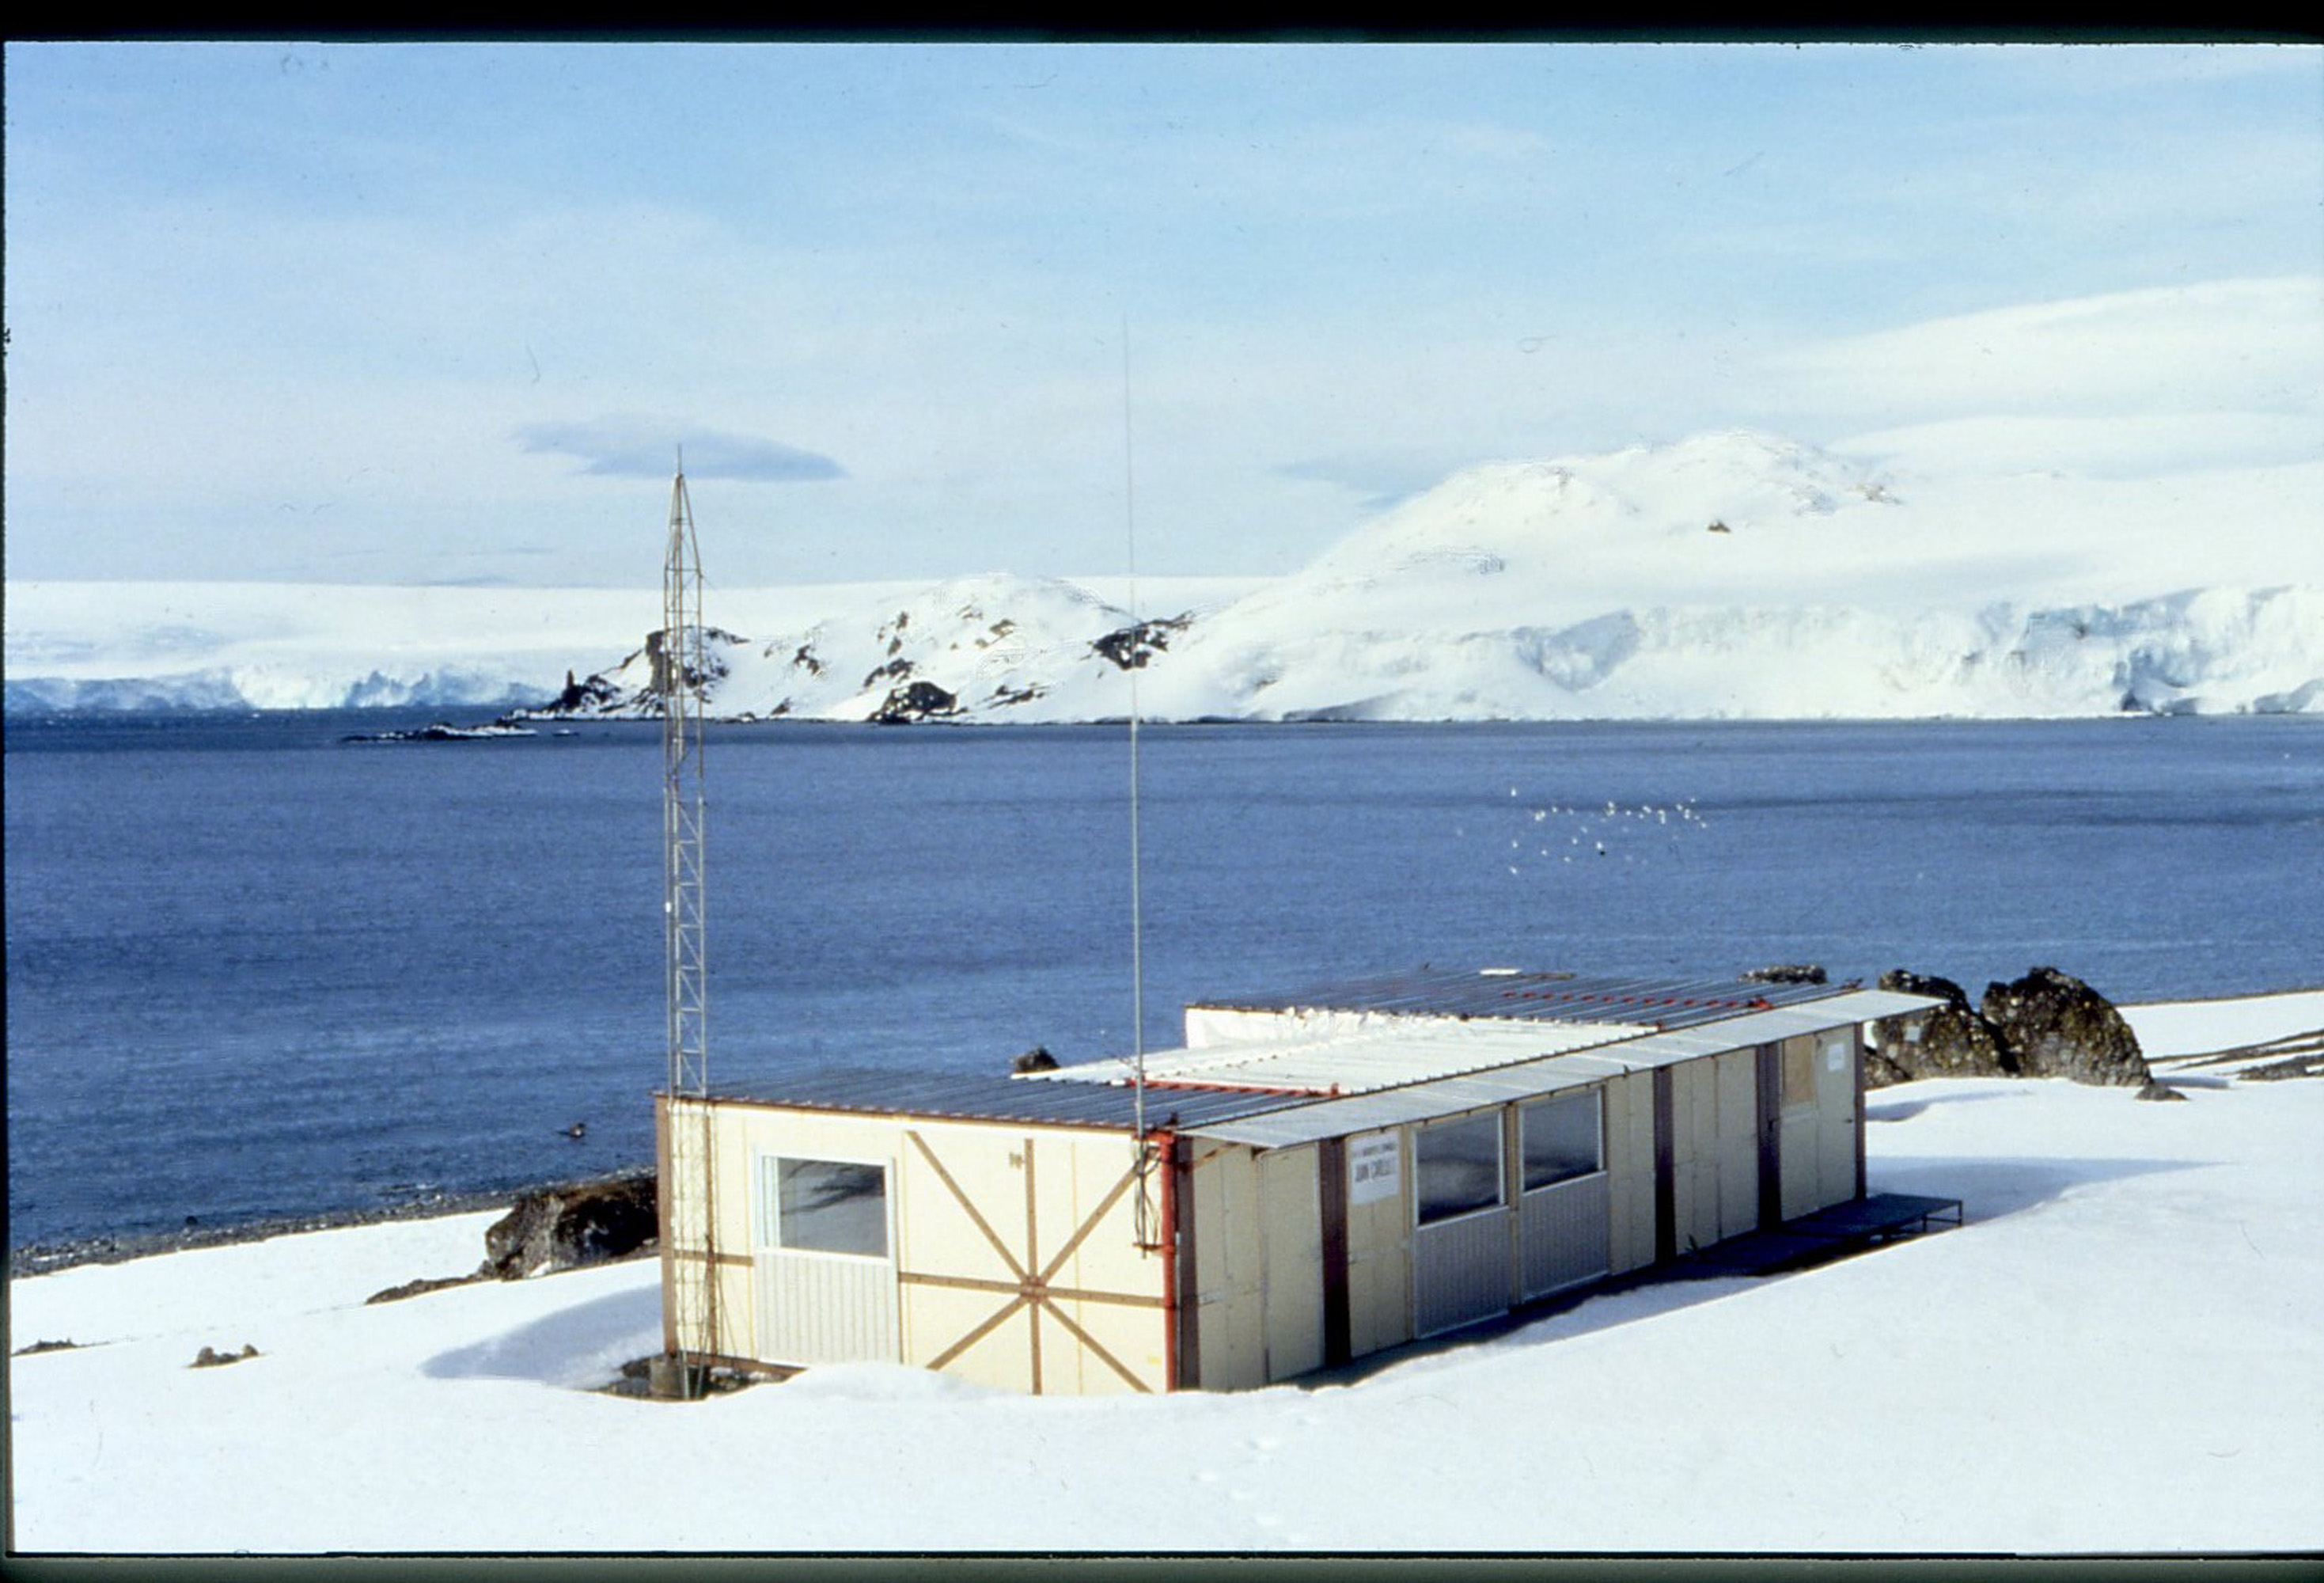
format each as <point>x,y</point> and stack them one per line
<point>1730,575</point>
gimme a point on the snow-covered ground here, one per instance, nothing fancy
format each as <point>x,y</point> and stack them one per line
<point>1730,575</point>
<point>2119,1351</point>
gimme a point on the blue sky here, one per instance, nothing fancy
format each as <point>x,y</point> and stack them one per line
<point>431,313</point>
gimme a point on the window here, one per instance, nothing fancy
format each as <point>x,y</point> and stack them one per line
<point>832,1207</point>
<point>1559,1139</point>
<point>1458,1167</point>
<point>1799,1071</point>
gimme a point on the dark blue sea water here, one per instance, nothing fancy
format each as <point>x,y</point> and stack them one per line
<point>254,970</point>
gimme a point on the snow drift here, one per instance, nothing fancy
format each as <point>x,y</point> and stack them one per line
<point>2117,1352</point>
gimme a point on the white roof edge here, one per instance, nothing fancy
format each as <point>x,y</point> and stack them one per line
<point>1298,1125</point>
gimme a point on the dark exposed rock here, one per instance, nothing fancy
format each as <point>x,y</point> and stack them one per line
<point>1951,1041</point>
<point>582,697</point>
<point>921,700</point>
<point>714,665</point>
<point>1786,973</point>
<point>423,1285</point>
<point>1130,647</point>
<point>893,670</point>
<point>2057,1026</point>
<point>1036,1060</point>
<point>209,1359</point>
<point>2304,1065</point>
<point>45,1346</point>
<point>2156,1088</point>
<point>570,1225</point>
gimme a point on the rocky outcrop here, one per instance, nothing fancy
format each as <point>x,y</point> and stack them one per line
<point>210,1357</point>
<point>1130,647</point>
<point>2046,1024</point>
<point>1953,1041</point>
<point>921,700</point>
<point>572,1223</point>
<point>422,1287</point>
<point>2057,1026</point>
<point>1036,1060</point>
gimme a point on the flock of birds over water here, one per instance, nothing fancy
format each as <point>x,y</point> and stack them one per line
<point>1612,830</point>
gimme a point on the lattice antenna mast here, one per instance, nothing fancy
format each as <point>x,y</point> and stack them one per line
<point>678,679</point>
<point>680,673</point>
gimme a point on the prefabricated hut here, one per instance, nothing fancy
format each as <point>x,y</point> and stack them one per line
<point>1329,1173</point>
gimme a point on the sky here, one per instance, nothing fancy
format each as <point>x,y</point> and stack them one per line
<point>444,314</point>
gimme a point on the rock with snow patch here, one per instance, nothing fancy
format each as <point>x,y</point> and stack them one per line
<point>1130,647</point>
<point>2057,1026</point>
<point>917,700</point>
<point>572,1223</point>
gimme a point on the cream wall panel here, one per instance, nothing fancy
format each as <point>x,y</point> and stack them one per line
<point>1802,1184</point>
<point>1243,1238</point>
<point>1379,1259</point>
<point>1694,1117</point>
<point>1230,1332</point>
<point>735,1315</point>
<point>1738,1078</point>
<point>1292,1215</point>
<point>1630,1170</point>
<point>1233,1343</point>
<point>1132,1337</point>
<point>1836,1103</point>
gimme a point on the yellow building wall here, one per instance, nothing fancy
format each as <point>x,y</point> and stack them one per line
<point>1229,1240</point>
<point>1291,1216</point>
<point>1014,1249</point>
<point>1819,1137</point>
<point>1836,1106</point>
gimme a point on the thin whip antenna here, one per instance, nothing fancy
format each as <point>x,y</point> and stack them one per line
<point>1136,910</point>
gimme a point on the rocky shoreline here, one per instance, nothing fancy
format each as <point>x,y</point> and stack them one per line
<point>46,1258</point>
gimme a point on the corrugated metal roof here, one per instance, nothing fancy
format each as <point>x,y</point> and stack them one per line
<point>954,1097</point>
<point>1288,1125</point>
<point>1536,996</point>
<point>1385,1076</point>
<point>1383,1055</point>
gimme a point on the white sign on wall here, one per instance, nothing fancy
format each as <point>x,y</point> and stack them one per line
<point>1371,1168</point>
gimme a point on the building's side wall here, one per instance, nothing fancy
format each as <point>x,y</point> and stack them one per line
<point>725,1329</point>
<point>1012,1256</point>
<point>1837,1063</point>
<point>1380,1250</point>
<point>1291,1214</point>
<point>1230,1313</point>
<point>1630,1171</point>
<point>1736,1141</point>
<point>1819,1132</point>
<point>1695,1179</point>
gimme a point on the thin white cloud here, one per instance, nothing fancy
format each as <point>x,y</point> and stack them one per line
<point>626,445</point>
<point>2250,344</point>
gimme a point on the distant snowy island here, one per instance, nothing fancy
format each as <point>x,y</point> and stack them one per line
<point>1733,575</point>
